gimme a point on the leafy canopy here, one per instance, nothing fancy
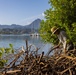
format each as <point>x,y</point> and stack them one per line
<point>63,14</point>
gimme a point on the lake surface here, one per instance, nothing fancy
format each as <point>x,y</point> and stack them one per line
<point>19,41</point>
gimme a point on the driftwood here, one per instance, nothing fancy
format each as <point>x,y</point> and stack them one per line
<point>40,64</point>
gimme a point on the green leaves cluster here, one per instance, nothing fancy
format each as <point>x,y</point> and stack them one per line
<point>61,13</point>
<point>3,52</point>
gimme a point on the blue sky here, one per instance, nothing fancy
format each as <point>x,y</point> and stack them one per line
<point>22,12</point>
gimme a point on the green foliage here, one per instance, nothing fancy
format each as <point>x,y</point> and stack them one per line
<point>2,62</point>
<point>5,51</point>
<point>62,13</point>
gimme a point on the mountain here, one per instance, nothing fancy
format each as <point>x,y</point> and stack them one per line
<point>35,24</point>
<point>10,26</point>
<point>19,28</point>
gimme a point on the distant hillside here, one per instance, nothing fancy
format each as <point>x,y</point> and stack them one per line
<point>4,29</point>
<point>35,24</point>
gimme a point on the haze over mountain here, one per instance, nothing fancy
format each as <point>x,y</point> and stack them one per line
<point>34,24</point>
<point>19,28</point>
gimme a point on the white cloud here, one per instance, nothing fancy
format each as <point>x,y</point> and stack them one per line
<point>43,14</point>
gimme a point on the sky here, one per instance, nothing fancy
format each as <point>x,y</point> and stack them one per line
<point>22,12</point>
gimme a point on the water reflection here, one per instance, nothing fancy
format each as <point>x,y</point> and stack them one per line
<point>19,40</point>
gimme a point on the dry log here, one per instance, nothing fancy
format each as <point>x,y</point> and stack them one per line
<point>13,71</point>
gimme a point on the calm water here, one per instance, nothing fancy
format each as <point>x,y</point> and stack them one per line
<point>19,40</point>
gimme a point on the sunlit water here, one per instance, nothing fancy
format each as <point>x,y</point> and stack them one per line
<point>19,41</point>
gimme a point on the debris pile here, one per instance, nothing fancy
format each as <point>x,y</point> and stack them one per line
<point>33,63</point>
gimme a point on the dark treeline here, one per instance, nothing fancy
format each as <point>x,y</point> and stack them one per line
<point>17,31</point>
